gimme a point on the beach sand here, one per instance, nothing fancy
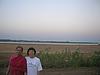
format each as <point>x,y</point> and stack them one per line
<point>51,48</point>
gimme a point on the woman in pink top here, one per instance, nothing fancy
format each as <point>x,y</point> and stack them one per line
<point>17,63</point>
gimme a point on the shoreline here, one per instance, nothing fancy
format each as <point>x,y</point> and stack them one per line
<point>50,43</point>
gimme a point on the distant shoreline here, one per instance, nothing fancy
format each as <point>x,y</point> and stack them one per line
<point>9,40</point>
<point>51,43</point>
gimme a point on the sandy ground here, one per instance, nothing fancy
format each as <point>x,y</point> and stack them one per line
<point>10,48</point>
<point>52,48</point>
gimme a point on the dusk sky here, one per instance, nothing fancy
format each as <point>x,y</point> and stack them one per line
<point>60,20</point>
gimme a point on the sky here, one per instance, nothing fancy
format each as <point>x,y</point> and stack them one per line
<point>53,20</point>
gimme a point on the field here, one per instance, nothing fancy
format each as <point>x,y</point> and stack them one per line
<point>55,52</point>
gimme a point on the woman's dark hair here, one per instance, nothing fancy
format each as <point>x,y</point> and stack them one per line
<point>31,48</point>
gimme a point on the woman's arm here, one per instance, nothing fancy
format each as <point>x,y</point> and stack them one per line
<point>8,70</point>
<point>25,73</point>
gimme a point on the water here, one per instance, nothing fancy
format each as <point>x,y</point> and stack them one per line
<point>50,43</point>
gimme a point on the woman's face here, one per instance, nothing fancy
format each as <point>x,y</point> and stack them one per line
<point>19,51</point>
<point>31,53</point>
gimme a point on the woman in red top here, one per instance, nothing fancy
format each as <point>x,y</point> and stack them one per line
<point>17,63</point>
